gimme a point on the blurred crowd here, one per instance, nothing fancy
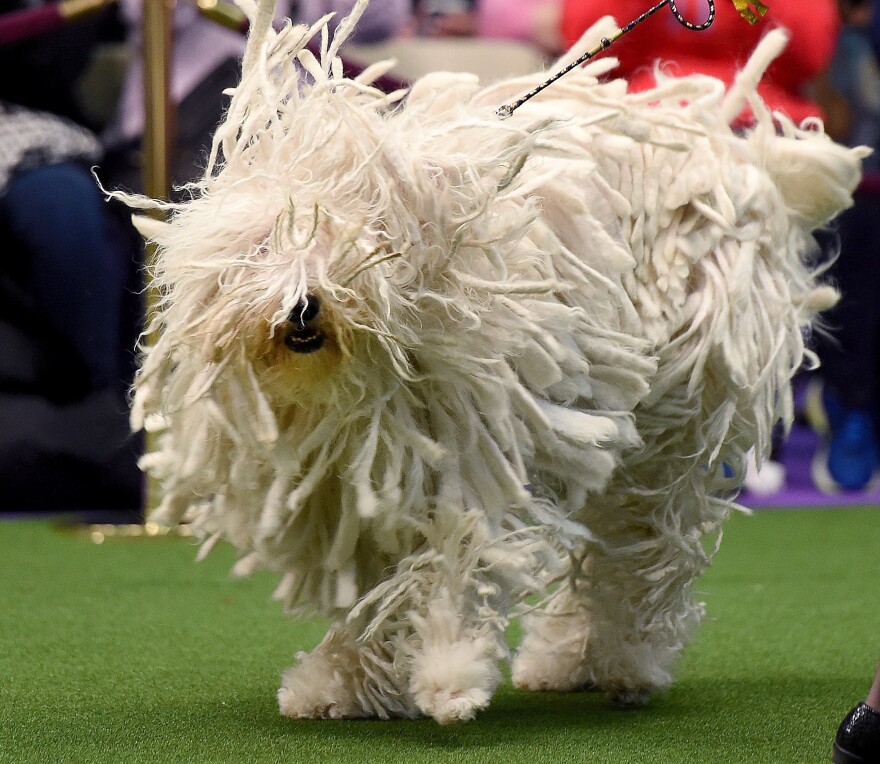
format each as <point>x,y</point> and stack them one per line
<point>71,100</point>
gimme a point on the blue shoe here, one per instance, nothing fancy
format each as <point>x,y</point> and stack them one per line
<point>849,461</point>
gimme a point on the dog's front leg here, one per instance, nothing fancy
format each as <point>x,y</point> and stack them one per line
<point>455,655</point>
<point>433,661</point>
<point>427,641</point>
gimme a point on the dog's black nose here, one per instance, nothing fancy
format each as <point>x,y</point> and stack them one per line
<point>305,311</point>
<point>303,334</point>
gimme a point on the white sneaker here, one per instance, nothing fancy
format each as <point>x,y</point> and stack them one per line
<point>768,480</point>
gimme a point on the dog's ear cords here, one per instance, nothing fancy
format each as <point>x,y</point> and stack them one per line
<point>743,7</point>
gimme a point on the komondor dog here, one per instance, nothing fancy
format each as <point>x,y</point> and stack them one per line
<point>424,363</point>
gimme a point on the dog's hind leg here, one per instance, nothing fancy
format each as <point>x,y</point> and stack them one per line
<point>642,614</point>
<point>344,679</point>
<point>621,623</point>
<point>552,654</point>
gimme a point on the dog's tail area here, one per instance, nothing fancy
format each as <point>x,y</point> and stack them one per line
<point>815,175</point>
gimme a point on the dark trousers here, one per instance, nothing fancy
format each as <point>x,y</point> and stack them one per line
<point>68,261</point>
<point>850,356</point>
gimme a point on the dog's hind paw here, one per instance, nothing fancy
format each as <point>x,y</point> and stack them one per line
<point>632,697</point>
<point>550,671</point>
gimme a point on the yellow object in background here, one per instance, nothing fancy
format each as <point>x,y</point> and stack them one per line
<point>750,10</point>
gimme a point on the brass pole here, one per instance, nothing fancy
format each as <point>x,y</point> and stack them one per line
<point>158,145</point>
<point>158,107</point>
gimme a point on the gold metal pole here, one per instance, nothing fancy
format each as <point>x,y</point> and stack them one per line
<point>158,146</point>
<point>158,107</point>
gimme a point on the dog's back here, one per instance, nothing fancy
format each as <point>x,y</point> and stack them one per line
<point>719,225</point>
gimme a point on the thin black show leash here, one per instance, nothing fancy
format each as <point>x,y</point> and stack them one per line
<point>505,111</point>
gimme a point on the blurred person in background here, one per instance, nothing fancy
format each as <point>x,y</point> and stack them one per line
<point>848,456</point>
<point>205,61</point>
<point>720,50</point>
<point>68,312</point>
<point>70,305</point>
<point>535,22</point>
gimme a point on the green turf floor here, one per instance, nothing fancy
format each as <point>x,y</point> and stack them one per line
<point>129,651</point>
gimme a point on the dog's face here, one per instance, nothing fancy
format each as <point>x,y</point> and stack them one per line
<point>318,262</point>
<point>325,310</point>
<point>292,297</point>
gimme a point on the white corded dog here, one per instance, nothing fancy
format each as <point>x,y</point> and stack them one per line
<point>422,362</point>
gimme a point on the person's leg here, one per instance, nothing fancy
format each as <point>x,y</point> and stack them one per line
<point>76,276</point>
<point>873,698</point>
<point>849,360</point>
<point>849,459</point>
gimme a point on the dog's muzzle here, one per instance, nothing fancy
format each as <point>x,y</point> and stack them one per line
<point>303,334</point>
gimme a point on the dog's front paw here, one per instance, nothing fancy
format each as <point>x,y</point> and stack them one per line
<point>343,679</point>
<point>452,682</point>
<point>453,706</point>
<point>308,706</point>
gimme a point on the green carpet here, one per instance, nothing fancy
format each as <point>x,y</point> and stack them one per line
<point>129,651</point>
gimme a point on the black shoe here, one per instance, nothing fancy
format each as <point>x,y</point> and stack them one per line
<point>858,737</point>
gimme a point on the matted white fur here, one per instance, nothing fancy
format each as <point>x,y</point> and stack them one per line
<point>550,342</point>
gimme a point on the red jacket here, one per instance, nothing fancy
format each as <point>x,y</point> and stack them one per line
<point>722,49</point>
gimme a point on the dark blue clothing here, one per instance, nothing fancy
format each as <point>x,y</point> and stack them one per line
<point>849,360</point>
<point>68,262</point>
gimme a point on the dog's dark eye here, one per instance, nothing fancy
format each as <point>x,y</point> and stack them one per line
<point>305,311</point>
